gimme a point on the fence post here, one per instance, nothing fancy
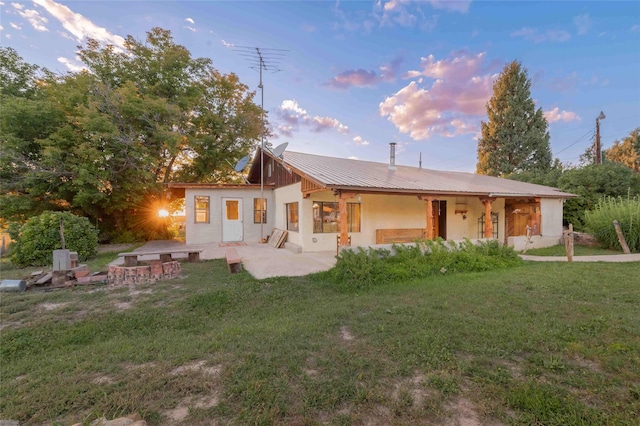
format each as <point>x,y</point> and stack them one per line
<point>568,243</point>
<point>623,242</point>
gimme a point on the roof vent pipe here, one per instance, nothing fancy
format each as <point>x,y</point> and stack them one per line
<point>392,156</point>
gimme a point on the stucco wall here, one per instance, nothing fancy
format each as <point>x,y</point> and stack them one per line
<point>379,212</point>
<point>551,211</point>
<point>203,233</point>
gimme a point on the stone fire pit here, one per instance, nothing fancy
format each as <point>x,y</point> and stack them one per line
<point>143,272</point>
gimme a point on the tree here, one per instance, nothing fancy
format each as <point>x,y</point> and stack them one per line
<point>516,136</point>
<point>593,182</point>
<point>103,141</point>
<point>626,152</point>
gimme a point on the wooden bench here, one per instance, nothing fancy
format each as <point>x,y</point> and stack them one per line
<point>131,259</point>
<point>234,262</point>
<point>389,236</point>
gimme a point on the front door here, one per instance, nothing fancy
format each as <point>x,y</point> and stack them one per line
<point>232,224</point>
<point>440,218</point>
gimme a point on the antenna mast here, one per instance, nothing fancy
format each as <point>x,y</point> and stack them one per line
<point>268,60</point>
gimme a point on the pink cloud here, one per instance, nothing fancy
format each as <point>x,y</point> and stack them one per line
<point>295,117</point>
<point>358,78</point>
<point>359,141</point>
<point>556,115</point>
<point>363,78</point>
<point>451,105</point>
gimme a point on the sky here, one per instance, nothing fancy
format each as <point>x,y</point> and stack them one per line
<point>346,78</point>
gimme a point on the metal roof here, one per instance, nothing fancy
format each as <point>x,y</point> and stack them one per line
<point>342,173</point>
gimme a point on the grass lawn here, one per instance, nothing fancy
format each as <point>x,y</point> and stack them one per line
<point>559,250</point>
<point>539,344</point>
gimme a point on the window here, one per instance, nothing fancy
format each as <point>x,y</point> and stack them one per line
<point>202,209</point>
<point>259,210</point>
<point>233,209</point>
<point>326,217</point>
<point>494,222</point>
<point>292,217</point>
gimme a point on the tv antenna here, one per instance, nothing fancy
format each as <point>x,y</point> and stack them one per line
<point>262,59</point>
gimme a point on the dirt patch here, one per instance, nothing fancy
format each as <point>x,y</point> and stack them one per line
<point>589,365</point>
<point>414,387</point>
<point>52,306</point>
<point>123,306</point>
<point>181,412</point>
<point>134,293</point>
<point>464,413</point>
<point>178,414</point>
<point>345,334</point>
<point>197,366</point>
<point>103,380</point>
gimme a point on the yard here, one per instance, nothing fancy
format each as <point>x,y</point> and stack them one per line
<point>552,343</point>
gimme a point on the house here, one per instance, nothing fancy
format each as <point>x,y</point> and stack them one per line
<point>326,202</point>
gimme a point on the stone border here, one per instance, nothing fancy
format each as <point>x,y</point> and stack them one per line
<point>142,274</point>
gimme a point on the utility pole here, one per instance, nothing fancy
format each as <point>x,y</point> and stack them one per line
<point>598,159</point>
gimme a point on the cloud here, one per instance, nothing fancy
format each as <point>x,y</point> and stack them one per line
<point>363,78</point>
<point>79,26</point>
<point>459,89</point>
<point>192,29</point>
<point>556,115</point>
<point>583,23</point>
<point>564,83</point>
<point>389,71</point>
<point>70,66</point>
<point>359,141</point>
<point>32,16</point>
<point>295,117</point>
<point>229,45</point>
<point>190,20</point>
<point>635,28</point>
<point>461,6</point>
<point>15,26</point>
<point>358,78</point>
<point>532,34</point>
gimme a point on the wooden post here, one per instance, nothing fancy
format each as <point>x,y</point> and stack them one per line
<point>488,220</point>
<point>62,234</point>
<point>568,243</point>
<point>623,242</point>
<point>429,234</point>
<point>344,224</point>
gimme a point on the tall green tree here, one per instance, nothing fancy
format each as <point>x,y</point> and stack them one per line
<point>516,136</point>
<point>627,151</point>
<point>104,140</point>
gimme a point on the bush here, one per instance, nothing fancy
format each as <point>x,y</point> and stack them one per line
<point>599,221</point>
<point>362,268</point>
<point>40,235</point>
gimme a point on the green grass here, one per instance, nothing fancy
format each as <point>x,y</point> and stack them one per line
<point>552,344</point>
<point>559,250</point>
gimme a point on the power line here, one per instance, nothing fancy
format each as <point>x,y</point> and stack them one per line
<point>576,141</point>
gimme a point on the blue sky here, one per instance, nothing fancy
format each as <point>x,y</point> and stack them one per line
<point>356,75</point>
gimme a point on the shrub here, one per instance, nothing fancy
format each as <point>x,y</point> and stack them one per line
<point>599,221</point>
<point>362,268</point>
<point>40,235</point>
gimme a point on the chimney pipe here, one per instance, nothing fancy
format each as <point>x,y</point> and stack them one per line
<point>392,156</point>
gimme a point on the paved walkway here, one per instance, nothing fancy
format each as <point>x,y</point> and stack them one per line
<point>635,257</point>
<point>260,260</point>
